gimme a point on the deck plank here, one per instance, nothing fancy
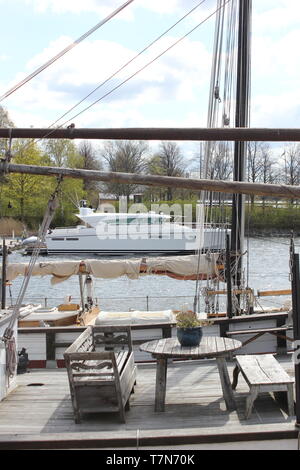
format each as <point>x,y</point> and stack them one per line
<point>194,407</point>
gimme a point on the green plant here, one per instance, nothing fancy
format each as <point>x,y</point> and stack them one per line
<point>189,319</point>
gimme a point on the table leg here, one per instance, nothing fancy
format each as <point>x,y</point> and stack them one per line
<point>226,384</point>
<point>161,382</point>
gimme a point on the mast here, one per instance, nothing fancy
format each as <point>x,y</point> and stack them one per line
<point>241,120</point>
<point>3,276</point>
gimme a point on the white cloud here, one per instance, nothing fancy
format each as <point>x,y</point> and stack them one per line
<point>101,7</point>
<point>105,7</point>
<point>276,16</point>
<point>177,81</point>
<point>176,6</point>
<point>172,80</point>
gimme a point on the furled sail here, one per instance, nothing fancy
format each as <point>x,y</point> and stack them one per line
<point>178,267</point>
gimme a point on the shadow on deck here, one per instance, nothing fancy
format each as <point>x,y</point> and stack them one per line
<point>39,414</point>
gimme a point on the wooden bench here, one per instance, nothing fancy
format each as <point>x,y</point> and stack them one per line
<point>101,371</point>
<point>263,373</point>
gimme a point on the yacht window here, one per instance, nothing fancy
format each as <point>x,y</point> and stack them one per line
<point>72,238</point>
<point>57,239</point>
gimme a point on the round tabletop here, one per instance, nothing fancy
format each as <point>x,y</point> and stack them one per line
<point>210,346</point>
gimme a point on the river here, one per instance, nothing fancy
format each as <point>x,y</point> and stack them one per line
<point>267,258</point>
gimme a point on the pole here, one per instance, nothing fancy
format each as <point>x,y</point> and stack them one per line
<point>196,134</point>
<point>241,120</point>
<point>81,292</point>
<point>194,184</point>
<point>3,283</point>
<point>228,279</point>
<point>296,328</point>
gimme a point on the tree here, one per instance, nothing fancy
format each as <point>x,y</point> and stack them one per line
<point>5,122</point>
<point>27,194</point>
<point>127,157</point>
<point>168,162</point>
<point>260,164</point>
<point>64,153</point>
<point>90,162</point>
<point>291,157</point>
<point>60,151</point>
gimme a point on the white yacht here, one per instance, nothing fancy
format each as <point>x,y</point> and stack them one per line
<point>114,234</point>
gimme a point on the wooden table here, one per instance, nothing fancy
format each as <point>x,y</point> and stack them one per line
<point>210,347</point>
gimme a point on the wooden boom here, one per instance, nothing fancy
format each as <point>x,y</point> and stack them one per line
<point>175,134</point>
<point>231,187</point>
<point>267,293</point>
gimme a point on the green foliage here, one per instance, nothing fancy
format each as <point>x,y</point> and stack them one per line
<point>268,217</point>
<point>23,196</point>
<point>189,319</point>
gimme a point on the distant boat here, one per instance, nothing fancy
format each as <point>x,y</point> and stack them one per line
<point>131,233</point>
<point>29,241</point>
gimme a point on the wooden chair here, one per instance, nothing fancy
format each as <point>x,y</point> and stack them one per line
<point>101,370</point>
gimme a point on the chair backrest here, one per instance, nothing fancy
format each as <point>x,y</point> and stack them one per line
<point>112,338</point>
<point>99,351</point>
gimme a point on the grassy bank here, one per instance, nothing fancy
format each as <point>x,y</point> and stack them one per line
<point>273,220</point>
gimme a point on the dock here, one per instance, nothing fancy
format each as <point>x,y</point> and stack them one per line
<point>38,413</point>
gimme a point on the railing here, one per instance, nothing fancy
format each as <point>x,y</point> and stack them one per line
<point>146,302</point>
<point>60,338</point>
<point>53,344</point>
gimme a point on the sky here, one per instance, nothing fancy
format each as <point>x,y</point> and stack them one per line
<point>171,92</point>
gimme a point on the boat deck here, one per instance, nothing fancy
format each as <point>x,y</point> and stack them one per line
<point>38,413</point>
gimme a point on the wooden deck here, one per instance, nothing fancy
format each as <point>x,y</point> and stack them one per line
<point>38,413</point>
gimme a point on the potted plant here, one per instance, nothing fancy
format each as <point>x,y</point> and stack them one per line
<point>189,328</point>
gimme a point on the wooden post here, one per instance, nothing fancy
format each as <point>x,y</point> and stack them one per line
<point>228,279</point>
<point>3,283</point>
<point>296,328</point>
<point>50,345</point>
<point>81,291</point>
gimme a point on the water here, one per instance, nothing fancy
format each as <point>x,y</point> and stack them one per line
<point>268,260</point>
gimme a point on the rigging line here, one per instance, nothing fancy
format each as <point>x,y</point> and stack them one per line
<point>129,62</point>
<point>131,76</point>
<point>213,108</point>
<point>51,207</point>
<point>64,51</point>
<point>139,70</point>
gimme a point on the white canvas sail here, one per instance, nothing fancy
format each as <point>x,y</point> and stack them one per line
<point>180,267</point>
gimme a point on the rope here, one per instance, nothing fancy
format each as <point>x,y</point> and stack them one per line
<point>11,357</point>
<point>214,154</point>
<point>52,205</point>
<point>64,51</point>
<point>129,62</point>
<point>131,76</point>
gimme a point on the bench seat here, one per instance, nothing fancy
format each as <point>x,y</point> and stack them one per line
<point>263,373</point>
<point>101,371</point>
